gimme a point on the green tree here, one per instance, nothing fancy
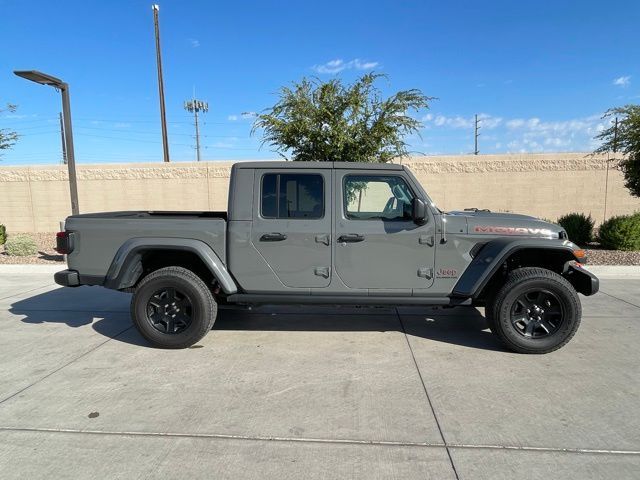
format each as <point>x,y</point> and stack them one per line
<point>330,121</point>
<point>7,137</point>
<point>625,139</point>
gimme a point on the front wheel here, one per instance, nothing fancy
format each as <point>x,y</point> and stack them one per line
<point>535,311</point>
<point>173,308</point>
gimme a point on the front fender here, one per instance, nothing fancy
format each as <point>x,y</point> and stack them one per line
<point>489,259</point>
<point>126,267</point>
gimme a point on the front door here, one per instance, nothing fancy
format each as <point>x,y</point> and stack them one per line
<point>292,225</point>
<point>377,245</point>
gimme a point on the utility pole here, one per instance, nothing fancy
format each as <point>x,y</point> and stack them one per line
<point>194,106</point>
<point>476,135</point>
<point>615,150</point>
<point>163,115</point>
<point>64,147</point>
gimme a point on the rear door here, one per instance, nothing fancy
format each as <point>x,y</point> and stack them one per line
<point>378,246</point>
<point>291,226</point>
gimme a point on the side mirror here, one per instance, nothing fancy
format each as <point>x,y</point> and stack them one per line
<point>418,211</point>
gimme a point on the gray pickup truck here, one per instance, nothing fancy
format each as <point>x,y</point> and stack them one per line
<point>330,233</point>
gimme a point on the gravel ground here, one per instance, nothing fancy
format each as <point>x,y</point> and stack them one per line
<point>612,257</point>
<point>46,254</point>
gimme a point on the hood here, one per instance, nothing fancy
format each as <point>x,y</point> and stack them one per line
<point>484,222</point>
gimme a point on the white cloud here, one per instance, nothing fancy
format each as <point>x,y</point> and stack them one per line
<point>486,121</point>
<point>489,122</point>
<point>623,81</point>
<point>531,134</point>
<point>242,116</point>
<point>338,65</point>
<point>195,43</point>
<point>535,135</point>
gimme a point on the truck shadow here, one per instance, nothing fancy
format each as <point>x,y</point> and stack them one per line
<point>108,314</point>
<point>458,326</point>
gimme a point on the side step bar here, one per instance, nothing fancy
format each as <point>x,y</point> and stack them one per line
<point>257,299</point>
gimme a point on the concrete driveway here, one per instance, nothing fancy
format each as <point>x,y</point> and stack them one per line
<point>311,393</point>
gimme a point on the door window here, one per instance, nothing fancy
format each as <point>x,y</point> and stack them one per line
<point>292,195</point>
<point>380,197</point>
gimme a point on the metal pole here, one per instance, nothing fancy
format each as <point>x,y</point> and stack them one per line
<point>68,137</point>
<point>64,148</point>
<point>197,135</point>
<point>163,115</point>
<point>606,181</point>
<point>475,136</point>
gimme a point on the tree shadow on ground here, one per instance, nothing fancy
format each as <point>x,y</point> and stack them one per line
<point>107,313</point>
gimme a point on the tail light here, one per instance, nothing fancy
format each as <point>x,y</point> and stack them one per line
<point>64,242</point>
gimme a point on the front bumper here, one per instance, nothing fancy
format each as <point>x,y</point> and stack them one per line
<point>582,280</point>
<point>67,278</point>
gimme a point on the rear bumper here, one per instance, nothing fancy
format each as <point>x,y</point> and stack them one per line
<point>583,280</point>
<point>67,278</point>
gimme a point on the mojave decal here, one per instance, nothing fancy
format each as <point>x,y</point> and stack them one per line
<point>489,229</point>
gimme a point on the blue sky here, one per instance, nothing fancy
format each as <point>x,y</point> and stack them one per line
<point>539,73</point>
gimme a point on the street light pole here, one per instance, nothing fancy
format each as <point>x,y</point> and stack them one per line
<point>163,115</point>
<point>44,79</point>
<point>68,139</point>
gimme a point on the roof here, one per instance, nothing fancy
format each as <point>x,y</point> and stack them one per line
<point>319,165</point>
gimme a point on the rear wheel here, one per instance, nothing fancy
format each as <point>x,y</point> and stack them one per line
<point>173,308</point>
<point>535,311</point>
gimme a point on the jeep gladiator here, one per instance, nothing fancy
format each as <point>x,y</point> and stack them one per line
<point>330,233</point>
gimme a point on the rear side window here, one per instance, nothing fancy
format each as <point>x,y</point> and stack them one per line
<point>292,195</point>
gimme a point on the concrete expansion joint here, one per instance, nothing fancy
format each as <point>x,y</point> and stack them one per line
<point>333,441</point>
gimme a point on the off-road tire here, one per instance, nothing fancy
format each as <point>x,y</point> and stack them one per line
<point>525,283</point>
<point>202,306</point>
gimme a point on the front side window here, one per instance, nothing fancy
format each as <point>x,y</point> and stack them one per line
<point>379,197</point>
<point>292,195</point>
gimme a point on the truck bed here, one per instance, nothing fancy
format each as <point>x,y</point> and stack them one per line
<point>97,237</point>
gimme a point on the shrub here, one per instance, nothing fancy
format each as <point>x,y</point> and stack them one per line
<point>20,246</point>
<point>3,234</point>
<point>621,233</point>
<point>579,227</point>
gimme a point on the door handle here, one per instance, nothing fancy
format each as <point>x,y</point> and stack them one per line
<point>273,237</point>
<point>350,238</point>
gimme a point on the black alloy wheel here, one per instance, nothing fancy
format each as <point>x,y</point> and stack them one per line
<point>537,314</point>
<point>169,311</point>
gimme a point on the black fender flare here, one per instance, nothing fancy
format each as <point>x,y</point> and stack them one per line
<point>126,266</point>
<point>489,259</point>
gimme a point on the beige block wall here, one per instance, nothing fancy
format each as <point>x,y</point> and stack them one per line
<point>545,185</point>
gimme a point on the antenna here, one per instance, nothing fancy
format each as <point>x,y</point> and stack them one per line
<point>195,106</point>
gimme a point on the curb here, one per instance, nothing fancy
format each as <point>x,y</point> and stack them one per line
<point>614,271</point>
<point>28,268</point>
